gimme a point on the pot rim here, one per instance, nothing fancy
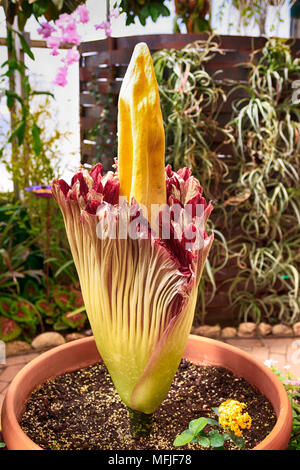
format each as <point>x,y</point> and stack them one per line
<point>284,415</point>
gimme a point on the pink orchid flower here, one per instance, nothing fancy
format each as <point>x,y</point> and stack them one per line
<point>83,13</point>
<point>46,30</point>
<point>61,77</point>
<point>106,26</point>
<point>72,56</point>
<point>53,42</point>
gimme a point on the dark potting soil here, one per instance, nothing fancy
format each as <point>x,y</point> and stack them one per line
<point>82,410</point>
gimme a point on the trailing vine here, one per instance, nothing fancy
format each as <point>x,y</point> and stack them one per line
<point>266,124</point>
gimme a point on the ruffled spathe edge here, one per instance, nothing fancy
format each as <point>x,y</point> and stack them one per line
<point>91,191</point>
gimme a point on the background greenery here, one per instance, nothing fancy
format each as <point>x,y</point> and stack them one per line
<point>255,192</point>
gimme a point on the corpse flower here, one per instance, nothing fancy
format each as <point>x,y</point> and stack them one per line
<point>139,269</point>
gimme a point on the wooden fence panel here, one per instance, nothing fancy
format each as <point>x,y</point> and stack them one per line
<point>104,63</point>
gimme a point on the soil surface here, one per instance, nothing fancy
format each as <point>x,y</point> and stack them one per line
<point>82,410</point>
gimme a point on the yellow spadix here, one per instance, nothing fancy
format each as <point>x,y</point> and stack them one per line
<point>141,150</point>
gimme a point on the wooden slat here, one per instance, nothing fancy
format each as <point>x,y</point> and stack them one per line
<point>177,41</point>
<point>159,41</point>
<point>232,72</point>
<point>104,87</point>
<point>88,122</point>
<point>87,98</point>
<point>93,46</point>
<point>92,111</point>
<point>123,56</point>
<point>168,41</point>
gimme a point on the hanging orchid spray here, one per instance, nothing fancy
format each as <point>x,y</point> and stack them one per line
<point>138,251</point>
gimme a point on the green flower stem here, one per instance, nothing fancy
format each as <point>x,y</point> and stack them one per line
<point>140,423</point>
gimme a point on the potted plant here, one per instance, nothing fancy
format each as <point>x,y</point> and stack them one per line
<point>83,352</point>
<point>139,244</point>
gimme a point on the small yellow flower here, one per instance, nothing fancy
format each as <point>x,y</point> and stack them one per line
<point>232,417</point>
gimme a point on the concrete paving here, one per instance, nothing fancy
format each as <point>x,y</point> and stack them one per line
<point>283,353</point>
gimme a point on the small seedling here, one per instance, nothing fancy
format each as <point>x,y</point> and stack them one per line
<point>198,432</point>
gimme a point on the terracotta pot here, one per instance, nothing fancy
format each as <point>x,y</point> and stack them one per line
<point>83,352</point>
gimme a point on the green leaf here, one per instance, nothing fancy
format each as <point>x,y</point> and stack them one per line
<point>43,93</point>
<point>4,64</point>
<point>145,12</point>
<point>27,9</point>
<point>130,20</point>
<point>213,422</point>
<point>24,15</point>
<point>184,438</point>
<point>154,12</point>
<point>22,19</point>
<point>26,86</point>
<point>176,27</point>
<point>201,25</point>
<point>2,444</point>
<point>12,66</point>
<point>216,410</point>
<point>11,96</point>
<point>9,39</point>
<point>204,442</point>
<point>60,326</point>
<point>163,10</point>
<point>238,440</point>
<point>19,132</point>
<point>36,134</point>
<point>216,439</point>
<point>63,267</point>
<point>196,425</point>
<point>40,7</point>
<point>142,20</point>
<point>25,46</point>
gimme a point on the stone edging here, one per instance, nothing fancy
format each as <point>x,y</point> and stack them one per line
<point>248,330</point>
<point>42,342</point>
